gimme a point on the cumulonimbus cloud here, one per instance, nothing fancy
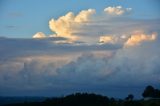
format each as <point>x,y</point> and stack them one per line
<point>70,25</point>
<point>83,27</point>
<point>66,25</point>
<point>118,10</point>
<point>42,72</point>
<point>39,65</point>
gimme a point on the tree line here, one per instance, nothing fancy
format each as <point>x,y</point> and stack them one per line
<point>86,99</point>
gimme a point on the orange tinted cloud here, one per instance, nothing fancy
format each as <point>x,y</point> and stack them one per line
<point>138,38</point>
<point>39,35</point>
<point>65,25</point>
<point>107,39</point>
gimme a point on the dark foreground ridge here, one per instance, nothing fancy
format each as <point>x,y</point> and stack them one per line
<point>151,98</point>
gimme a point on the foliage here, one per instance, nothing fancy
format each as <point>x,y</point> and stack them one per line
<point>151,92</point>
<point>129,97</point>
<point>85,99</point>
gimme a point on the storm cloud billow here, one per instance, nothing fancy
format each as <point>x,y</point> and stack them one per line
<point>82,67</point>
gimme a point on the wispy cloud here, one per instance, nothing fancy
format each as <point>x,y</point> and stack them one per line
<point>10,26</point>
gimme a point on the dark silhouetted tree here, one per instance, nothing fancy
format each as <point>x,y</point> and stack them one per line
<point>148,92</point>
<point>129,97</point>
<point>156,93</point>
<point>151,92</point>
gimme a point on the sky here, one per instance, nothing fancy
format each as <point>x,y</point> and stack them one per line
<point>54,48</point>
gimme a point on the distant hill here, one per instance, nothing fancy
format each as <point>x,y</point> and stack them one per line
<point>85,99</point>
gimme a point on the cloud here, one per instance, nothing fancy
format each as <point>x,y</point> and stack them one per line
<point>35,64</point>
<point>84,15</point>
<point>9,47</point>
<point>39,35</point>
<point>88,27</point>
<point>53,37</point>
<point>113,39</point>
<point>136,39</point>
<point>118,10</point>
<point>115,68</point>
<point>43,66</point>
<point>128,40</point>
<point>113,26</point>
<point>11,26</point>
<point>86,69</point>
<point>106,39</point>
<point>95,59</point>
<point>66,25</point>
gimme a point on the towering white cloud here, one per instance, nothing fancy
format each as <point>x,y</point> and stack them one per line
<point>118,10</point>
<point>65,26</point>
<point>84,27</point>
<point>84,15</point>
